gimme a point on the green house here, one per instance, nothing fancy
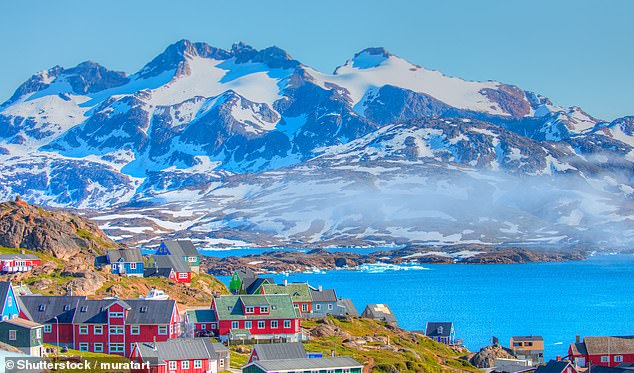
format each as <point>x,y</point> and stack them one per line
<point>22,334</point>
<point>341,364</point>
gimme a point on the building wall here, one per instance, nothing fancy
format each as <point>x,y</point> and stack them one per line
<point>225,326</point>
<point>26,339</point>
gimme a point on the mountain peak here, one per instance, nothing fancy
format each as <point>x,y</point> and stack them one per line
<point>370,57</point>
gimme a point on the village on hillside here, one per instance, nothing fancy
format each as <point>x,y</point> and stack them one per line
<point>259,327</point>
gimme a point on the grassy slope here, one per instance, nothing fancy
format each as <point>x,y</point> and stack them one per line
<point>414,353</point>
<point>93,357</point>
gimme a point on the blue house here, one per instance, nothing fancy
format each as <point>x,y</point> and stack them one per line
<point>127,262</point>
<point>442,332</point>
<point>8,302</point>
<point>184,249</point>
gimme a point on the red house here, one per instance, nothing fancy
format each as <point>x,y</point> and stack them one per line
<point>604,351</point>
<point>198,355</point>
<point>108,326</point>
<point>13,263</point>
<point>253,317</point>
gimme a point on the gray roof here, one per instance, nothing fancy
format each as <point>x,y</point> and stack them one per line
<point>28,324</point>
<point>381,312</point>
<point>144,311</point>
<point>92,311</point>
<point>157,272</point>
<point>527,338</point>
<point>18,256</point>
<point>43,309</point>
<point>553,366</point>
<point>325,295</point>
<point>615,345</point>
<point>125,255</point>
<point>307,364</point>
<point>181,248</point>
<point>438,329</point>
<point>349,307</point>
<point>4,291</point>
<point>171,261</point>
<point>280,351</point>
<point>181,349</point>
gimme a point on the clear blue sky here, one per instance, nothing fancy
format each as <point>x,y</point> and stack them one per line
<point>575,52</point>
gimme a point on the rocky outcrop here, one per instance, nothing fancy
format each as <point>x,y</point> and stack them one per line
<point>485,358</point>
<point>57,233</point>
<point>321,259</point>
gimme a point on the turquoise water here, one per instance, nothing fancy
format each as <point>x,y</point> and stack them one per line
<point>554,300</point>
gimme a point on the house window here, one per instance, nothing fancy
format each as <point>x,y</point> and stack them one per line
<point>287,324</point>
<point>83,329</point>
<point>116,314</point>
<point>113,266</point>
<point>171,329</point>
<point>330,307</point>
<point>9,301</point>
<point>274,324</point>
<point>249,310</point>
<point>116,330</point>
<point>98,329</point>
<point>83,347</point>
<point>192,259</point>
<point>38,333</point>
<point>318,307</point>
<point>172,365</point>
<point>135,330</point>
<point>261,324</point>
<point>48,328</point>
<point>182,275</point>
<point>98,347</point>
<point>185,364</point>
<point>248,325</point>
<point>304,307</point>
<point>12,335</point>
<point>116,347</point>
<point>222,363</point>
<point>132,265</point>
<point>198,364</point>
<point>162,329</point>
<point>618,359</point>
<point>235,325</point>
<point>605,359</point>
<point>264,309</point>
<point>203,326</point>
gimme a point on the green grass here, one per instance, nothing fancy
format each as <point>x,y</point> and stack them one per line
<point>238,360</point>
<point>85,234</point>
<point>93,357</point>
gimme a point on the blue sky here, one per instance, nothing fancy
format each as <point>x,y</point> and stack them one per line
<point>575,52</point>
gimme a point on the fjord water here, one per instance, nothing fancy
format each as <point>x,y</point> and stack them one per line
<point>554,300</point>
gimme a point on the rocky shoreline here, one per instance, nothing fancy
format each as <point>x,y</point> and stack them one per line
<point>278,261</point>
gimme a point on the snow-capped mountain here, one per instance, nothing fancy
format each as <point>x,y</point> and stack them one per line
<point>218,136</point>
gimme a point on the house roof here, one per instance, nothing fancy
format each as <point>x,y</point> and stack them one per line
<point>43,309</point>
<point>256,283</point>
<point>157,272</point>
<point>181,248</point>
<point>347,304</point>
<point>280,351</point>
<point>380,312</point>
<point>612,345</point>
<point>92,311</point>
<point>553,366</point>
<point>299,292</point>
<point>201,316</point>
<point>181,349</point>
<point>603,369</point>
<point>175,262</point>
<point>23,323</point>
<point>307,364</point>
<point>140,311</point>
<point>325,295</point>
<point>527,338</point>
<point>229,307</point>
<point>4,291</point>
<point>18,256</point>
<point>438,329</point>
<point>125,255</point>
<point>578,349</point>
